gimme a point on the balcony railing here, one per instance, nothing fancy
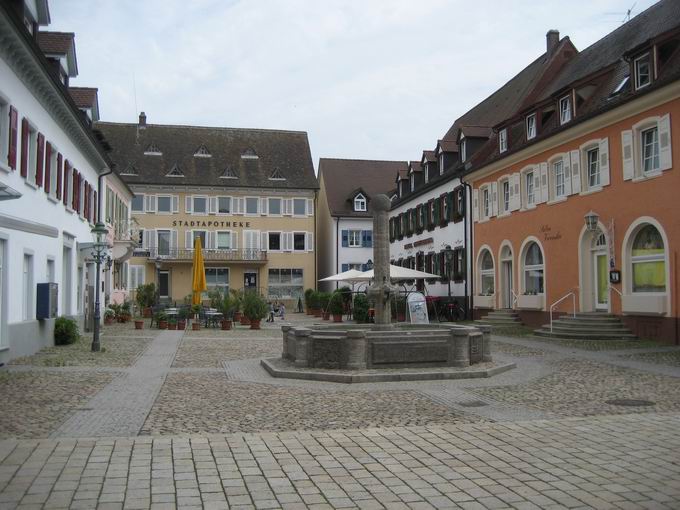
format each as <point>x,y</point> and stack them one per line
<point>221,255</point>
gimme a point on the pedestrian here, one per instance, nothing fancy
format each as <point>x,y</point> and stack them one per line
<point>271,312</point>
<point>282,311</point>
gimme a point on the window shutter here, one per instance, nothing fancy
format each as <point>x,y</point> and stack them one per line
<point>567,174</point>
<point>24,147</point>
<point>264,206</point>
<point>309,241</point>
<point>48,167</point>
<point>627,149</point>
<point>187,204</point>
<point>212,239</point>
<point>265,241</point>
<point>74,191</point>
<point>152,239</point>
<point>288,206</point>
<point>175,204</point>
<point>575,171</point>
<point>58,172</point>
<point>13,138</point>
<point>369,239</point>
<point>86,199</point>
<point>40,160</point>
<point>665,156</point>
<point>145,239</point>
<point>188,238</point>
<point>494,199</point>
<point>234,240</point>
<point>345,239</point>
<point>173,239</point>
<point>64,191</point>
<point>344,267</point>
<point>363,239</point>
<point>475,205</point>
<point>212,205</point>
<point>95,206</point>
<point>543,190</point>
<point>238,203</point>
<point>604,161</point>
<point>515,196</point>
<point>150,206</point>
<point>310,207</point>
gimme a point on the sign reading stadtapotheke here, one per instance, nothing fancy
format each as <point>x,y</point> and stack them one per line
<point>417,308</point>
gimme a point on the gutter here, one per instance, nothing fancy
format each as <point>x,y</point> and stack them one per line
<point>468,221</point>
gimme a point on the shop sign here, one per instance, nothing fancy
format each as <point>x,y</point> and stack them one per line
<point>211,223</point>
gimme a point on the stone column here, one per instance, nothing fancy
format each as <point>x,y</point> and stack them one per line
<point>486,342</point>
<point>459,348</point>
<point>355,345</point>
<point>381,291</point>
<point>302,344</point>
<point>286,354</point>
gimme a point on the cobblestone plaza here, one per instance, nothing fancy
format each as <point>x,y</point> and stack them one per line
<point>167,419</point>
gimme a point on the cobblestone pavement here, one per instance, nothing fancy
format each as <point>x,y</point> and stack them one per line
<point>599,462</point>
<point>212,352</point>
<point>663,358</point>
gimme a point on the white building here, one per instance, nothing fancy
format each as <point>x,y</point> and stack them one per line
<point>49,173</point>
<point>345,228</point>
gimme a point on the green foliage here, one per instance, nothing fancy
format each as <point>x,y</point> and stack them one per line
<point>183,314</point>
<point>324,299</point>
<point>65,331</point>
<point>228,306</point>
<point>237,297</point>
<point>109,313</point>
<point>195,308</point>
<point>254,306</point>
<point>125,308</point>
<point>314,300</point>
<point>308,297</point>
<point>146,295</point>
<point>346,295</point>
<point>361,308</point>
<point>215,297</point>
<point>160,317</point>
<point>337,303</point>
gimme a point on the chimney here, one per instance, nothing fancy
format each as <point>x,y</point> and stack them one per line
<point>552,39</point>
<point>142,120</point>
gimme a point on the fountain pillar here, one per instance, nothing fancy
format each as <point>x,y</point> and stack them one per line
<point>381,292</point>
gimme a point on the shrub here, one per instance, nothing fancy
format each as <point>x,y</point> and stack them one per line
<point>65,331</point>
<point>324,299</point>
<point>254,306</point>
<point>315,300</point>
<point>146,295</point>
<point>337,303</point>
<point>215,297</point>
<point>361,308</point>
<point>308,297</point>
<point>228,306</point>
<point>346,293</point>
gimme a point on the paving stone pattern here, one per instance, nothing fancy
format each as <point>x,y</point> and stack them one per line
<point>212,352</point>
<point>603,462</point>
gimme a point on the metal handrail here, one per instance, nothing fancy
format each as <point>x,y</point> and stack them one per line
<point>515,298</point>
<point>616,290</point>
<point>209,254</point>
<point>552,307</point>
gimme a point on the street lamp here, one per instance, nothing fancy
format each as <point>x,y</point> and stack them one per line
<point>369,265</point>
<point>99,254</point>
<point>592,219</point>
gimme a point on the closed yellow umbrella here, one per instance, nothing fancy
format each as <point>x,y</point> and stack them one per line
<point>198,284</point>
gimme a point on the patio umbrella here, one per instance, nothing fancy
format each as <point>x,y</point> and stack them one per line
<point>198,284</point>
<point>400,273</point>
<point>346,276</point>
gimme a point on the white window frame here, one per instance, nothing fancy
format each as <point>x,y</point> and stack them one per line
<point>565,109</point>
<point>27,286</point>
<point>269,206</point>
<point>135,211</point>
<point>485,202</point>
<point>530,124</point>
<point>360,203</point>
<point>350,233</point>
<point>280,234</point>
<point>193,205</point>
<point>32,154</point>
<point>245,206</point>
<point>555,164</point>
<point>636,64</point>
<point>486,273</point>
<point>157,233</point>
<point>441,163</point>
<point>51,169</point>
<point>211,286</point>
<point>655,146</point>
<point>533,267</point>
<point>412,181</point>
<point>463,149</point>
<point>528,187</point>
<point>217,239</point>
<point>304,200</point>
<point>503,140</point>
<point>304,236</point>
<point>503,198</point>
<point>231,205</point>
<point>587,152</point>
<point>158,211</point>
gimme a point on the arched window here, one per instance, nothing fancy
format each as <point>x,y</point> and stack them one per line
<point>648,261</point>
<point>359,203</point>
<point>487,274</point>
<point>533,269</point>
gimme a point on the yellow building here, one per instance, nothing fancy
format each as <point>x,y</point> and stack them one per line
<point>249,194</point>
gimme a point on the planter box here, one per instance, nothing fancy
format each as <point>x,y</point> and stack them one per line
<point>536,302</point>
<point>139,324</point>
<point>255,324</point>
<point>337,318</point>
<point>226,325</point>
<point>485,301</point>
<point>643,305</point>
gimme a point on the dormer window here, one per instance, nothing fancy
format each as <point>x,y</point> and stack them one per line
<point>619,88</point>
<point>176,171</point>
<point>202,152</point>
<point>426,170</point>
<point>412,182</point>
<point>360,203</point>
<point>643,76</point>
<point>229,173</point>
<point>152,150</point>
<point>463,146</point>
<point>531,126</point>
<point>277,175</point>
<point>130,170</point>
<point>249,153</point>
<point>565,110</point>
<point>503,140</point>
<point>441,163</point>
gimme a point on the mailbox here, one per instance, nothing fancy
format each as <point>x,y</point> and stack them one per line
<point>46,307</point>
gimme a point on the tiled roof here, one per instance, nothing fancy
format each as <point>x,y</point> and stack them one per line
<point>429,156</point>
<point>251,155</point>
<point>343,177</point>
<point>447,145</point>
<point>59,43</point>
<point>84,97</point>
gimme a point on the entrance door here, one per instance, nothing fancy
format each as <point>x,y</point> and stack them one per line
<point>601,283</point>
<point>250,280</point>
<point>507,283</point>
<point>164,284</point>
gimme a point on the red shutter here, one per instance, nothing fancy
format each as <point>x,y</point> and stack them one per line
<point>74,194</point>
<point>40,160</point>
<point>58,173</point>
<point>13,138</point>
<point>64,190</point>
<point>85,199</point>
<point>48,167</point>
<point>95,206</point>
<point>24,147</point>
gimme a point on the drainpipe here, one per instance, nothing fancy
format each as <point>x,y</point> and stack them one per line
<point>469,259</point>
<point>337,249</point>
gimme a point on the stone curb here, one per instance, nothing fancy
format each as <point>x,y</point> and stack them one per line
<point>312,375</point>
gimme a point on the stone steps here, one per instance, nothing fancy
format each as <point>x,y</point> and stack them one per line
<point>500,319</point>
<point>587,326</point>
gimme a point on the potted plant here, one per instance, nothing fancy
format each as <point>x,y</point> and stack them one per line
<point>324,300</point>
<point>361,308</point>
<point>237,296</point>
<point>162,320</point>
<point>172,323</point>
<point>254,308</point>
<point>146,296</point>
<point>109,316</point>
<point>315,303</point>
<point>227,309</point>
<point>336,306</point>
<point>308,301</point>
<point>125,314</point>
<point>182,317</point>
<point>139,322</point>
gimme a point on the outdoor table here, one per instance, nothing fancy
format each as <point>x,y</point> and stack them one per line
<point>212,317</point>
<point>171,311</point>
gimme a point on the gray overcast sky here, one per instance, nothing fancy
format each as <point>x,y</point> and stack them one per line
<point>371,79</point>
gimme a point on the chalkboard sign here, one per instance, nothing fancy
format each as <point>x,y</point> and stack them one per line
<point>417,309</point>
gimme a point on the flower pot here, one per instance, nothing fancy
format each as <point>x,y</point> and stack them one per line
<point>147,312</point>
<point>255,324</point>
<point>172,326</point>
<point>108,320</point>
<point>309,311</point>
<point>245,321</point>
<point>326,315</point>
<point>226,324</point>
<point>181,325</point>
<point>237,316</point>
<point>120,319</point>
<point>195,326</point>
<point>337,317</point>
<point>139,324</point>
<point>162,324</point>
<point>318,312</point>
<point>401,317</point>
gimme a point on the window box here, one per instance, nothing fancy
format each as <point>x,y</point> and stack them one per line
<point>485,301</point>
<point>640,304</point>
<point>531,302</point>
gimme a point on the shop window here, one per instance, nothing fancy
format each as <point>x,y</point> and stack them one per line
<point>285,283</point>
<point>487,274</point>
<point>648,261</point>
<point>533,269</point>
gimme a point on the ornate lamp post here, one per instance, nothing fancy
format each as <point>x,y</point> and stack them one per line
<point>99,254</point>
<point>591,221</point>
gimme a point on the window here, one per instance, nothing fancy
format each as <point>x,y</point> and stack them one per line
<point>593,165</point>
<point>354,238</point>
<point>486,202</point>
<point>199,205</point>
<point>223,205</point>
<point>175,171</point>
<point>199,234</point>
<point>277,175</point>
<point>229,173</point>
<point>486,272</point>
<point>274,243</point>
<point>412,182</point>
<point>223,240</point>
<point>531,126</point>
<point>163,242</point>
<point>529,188</point>
<point>463,149</point>
<point>299,206</point>
<point>136,276</point>
<point>274,206</point>
<point>642,71</point>
<point>299,241</point>
<point>285,283</point>
<point>648,261</point>
<point>152,150</point>
<point>503,140</point>
<point>558,176</point>
<point>359,203</point>
<point>505,196</point>
<point>4,132</point>
<point>533,269</point>
<point>252,205</point>
<point>138,203</point>
<point>164,204</point>
<point>565,110</point>
<point>51,169</point>
<point>441,163</point>
<point>31,164</point>
<point>202,152</point>
<point>650,149</point>
<point>217,278</point>
<point>460,202</point>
